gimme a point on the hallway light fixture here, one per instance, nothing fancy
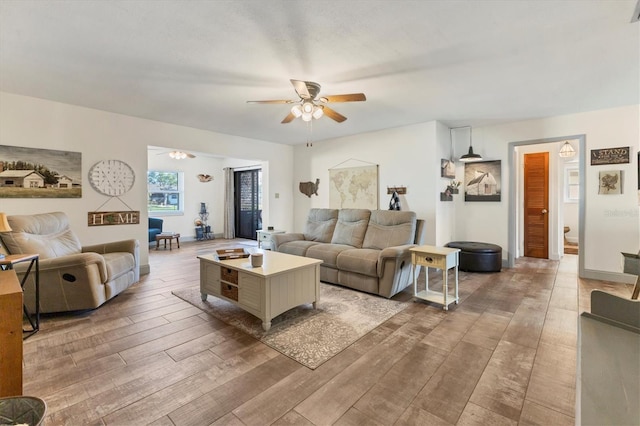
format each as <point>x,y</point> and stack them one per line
<point>470,156</point>
<point>567,150</point>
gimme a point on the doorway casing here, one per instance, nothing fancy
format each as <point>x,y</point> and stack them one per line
<point>514,176</point>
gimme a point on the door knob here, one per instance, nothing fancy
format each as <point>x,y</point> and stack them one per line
<point>544,211</point>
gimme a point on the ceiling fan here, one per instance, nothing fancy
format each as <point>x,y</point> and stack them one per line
<point>177,155</point>
<point>310,106</point>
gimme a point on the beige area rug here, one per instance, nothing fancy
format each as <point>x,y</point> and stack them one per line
<point>309,336</point>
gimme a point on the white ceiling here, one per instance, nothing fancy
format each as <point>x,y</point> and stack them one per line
<point>196,63</point>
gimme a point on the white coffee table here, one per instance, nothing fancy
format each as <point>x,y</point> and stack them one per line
<point>282,282</point>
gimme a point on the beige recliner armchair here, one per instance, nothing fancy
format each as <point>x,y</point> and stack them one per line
<point>72,277</point>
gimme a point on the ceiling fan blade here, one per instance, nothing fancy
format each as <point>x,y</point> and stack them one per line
<point>277,101</point>
<point>333,114</point>
<point>301,88</point>
<point>351,97</point>
<point>289,118</point>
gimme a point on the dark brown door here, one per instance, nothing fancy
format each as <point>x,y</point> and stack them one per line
<point>536,205</point>
<point>248,203</point>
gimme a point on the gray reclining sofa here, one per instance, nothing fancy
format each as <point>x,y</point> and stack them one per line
<point>367,250</point>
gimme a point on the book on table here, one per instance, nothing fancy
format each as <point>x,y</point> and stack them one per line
<point>167,234</point>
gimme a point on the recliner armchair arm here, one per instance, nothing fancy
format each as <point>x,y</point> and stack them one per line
<point>129,246</point>
<point>70,261</point>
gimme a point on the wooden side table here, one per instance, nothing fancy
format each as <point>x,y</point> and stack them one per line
<point>7,263</point>
<point>264,238</point>
<point>166,237</point>
<point>443,258</point>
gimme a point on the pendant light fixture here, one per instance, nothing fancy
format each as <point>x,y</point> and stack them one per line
<point>567,150</point>
<point>470,156</point>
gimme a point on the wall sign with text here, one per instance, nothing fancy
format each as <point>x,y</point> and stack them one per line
<point>114,218</point>
<point>610,156</point>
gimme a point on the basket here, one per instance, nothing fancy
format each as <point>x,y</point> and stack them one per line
<point>229,275</point>
<point>229,291</point>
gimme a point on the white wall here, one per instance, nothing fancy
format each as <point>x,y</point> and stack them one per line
<point>410,156</point>
<point>407,156</point>
<point>99,135</point>
<point>611,222</point>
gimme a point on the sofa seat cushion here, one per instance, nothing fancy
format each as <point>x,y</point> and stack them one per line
<point>118,264</point>
<point>328,253</point>
<point>298,247</point>
<point>361,261</point>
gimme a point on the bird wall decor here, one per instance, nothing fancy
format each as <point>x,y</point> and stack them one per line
<point>205,178</point>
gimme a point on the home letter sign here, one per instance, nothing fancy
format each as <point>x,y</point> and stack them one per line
<point>114,218</point>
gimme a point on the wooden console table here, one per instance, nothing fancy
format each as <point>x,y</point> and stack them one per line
<point>10,334</point>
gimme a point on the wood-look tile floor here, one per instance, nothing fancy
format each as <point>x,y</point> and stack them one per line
<point>505,355</point>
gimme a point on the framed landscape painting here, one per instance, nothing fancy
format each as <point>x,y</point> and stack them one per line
<point>482,181</point>
<point>39,173</point>
<point>447,169</point>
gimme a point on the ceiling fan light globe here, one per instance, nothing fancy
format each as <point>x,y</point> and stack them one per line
<point>307,107</point>
<point>178,155</point>
<point>317,112</point>
<point>296,110</point>
<point>306,116</point>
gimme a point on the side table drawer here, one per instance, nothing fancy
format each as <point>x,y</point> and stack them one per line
<point>430,260</point>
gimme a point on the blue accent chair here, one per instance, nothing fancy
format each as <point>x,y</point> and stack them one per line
<point>155,227</point>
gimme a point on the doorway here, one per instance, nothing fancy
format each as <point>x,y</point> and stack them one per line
<point>248,202</point>
<point>516,194</point>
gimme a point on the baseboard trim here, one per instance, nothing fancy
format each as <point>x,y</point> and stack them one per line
<point>617,277</point>
<point>145,269</point>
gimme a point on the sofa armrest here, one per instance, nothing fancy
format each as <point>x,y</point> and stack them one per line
<point>399,253</point>
<point>285,238</point>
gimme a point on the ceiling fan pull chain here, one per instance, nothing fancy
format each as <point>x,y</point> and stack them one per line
<point>309,140</point>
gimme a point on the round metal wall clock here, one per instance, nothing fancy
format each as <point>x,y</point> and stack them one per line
<point>111,177</point>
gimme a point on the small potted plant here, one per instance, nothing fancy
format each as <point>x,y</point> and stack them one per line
<point>453,186</point>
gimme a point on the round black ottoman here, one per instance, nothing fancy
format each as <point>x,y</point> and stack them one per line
<point>478,257</point>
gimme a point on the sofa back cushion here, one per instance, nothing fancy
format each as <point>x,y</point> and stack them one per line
<point>351,227</point>
<point>320,225</point>
<point>389,228</point>
<point>47,234</point>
